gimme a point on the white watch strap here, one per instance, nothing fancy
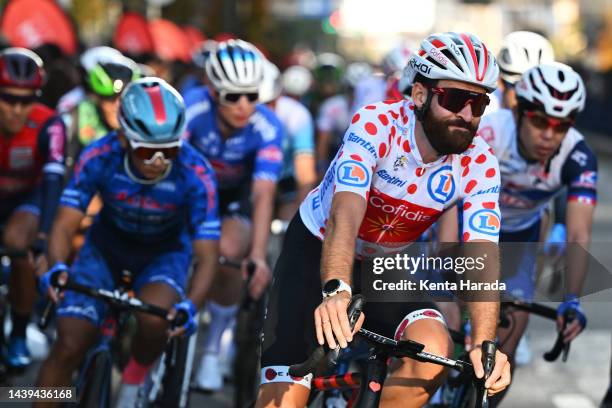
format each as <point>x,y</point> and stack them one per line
<point>344,287</point>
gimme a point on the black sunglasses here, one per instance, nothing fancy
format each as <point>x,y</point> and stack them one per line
<point>455,99</point>
<point>234,97</point>
<point>12,99</point>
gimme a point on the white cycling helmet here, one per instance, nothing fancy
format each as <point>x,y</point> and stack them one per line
<point>395,61</point>
<point>554,88</point>
<point>100,55</point>
<point>235,65</point>
<point>454,56</point>
<point>520,51</point>
<point>296,80</point>
<point>356,71</point>
<point>271,87</point>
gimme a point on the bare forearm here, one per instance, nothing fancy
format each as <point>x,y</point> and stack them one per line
<point>483,305</point>
<point>577,261</point>
<point>205,270</point>
<point>262,216</point>
<point>62,232</point>
<point>339,243</point>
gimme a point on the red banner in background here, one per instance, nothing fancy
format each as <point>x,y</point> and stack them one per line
<point>170,42</point>
<point>132,35</point>
<point>195,37</point>
<point>31,23</point>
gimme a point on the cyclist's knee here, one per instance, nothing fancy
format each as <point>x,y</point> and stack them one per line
<point>69,350</point>
<point>282,395</point>
<point>433,334</point>
<point>152,326</point>
<point>18,237</point>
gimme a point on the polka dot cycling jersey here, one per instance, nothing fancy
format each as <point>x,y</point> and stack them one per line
<point>529,187</point>
<point>379,161</point>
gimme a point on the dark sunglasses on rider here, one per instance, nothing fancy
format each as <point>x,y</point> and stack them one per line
<point>455,99</point>
<point>12,99</point>
<point>230,98</point>
<point>148,152</point>
<point>543,122</point>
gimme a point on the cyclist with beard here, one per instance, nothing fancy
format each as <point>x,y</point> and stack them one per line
<point>402,164</point>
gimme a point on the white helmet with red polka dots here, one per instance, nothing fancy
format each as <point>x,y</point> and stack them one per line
<point>554,88</point>
<point>455,56</point>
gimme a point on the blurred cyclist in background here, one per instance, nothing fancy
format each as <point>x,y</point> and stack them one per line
<point>90,111</point>
<point>296,82</point>
<point>392,65</point>
<point>299,174</point>
<point>32,151</point>
<point>243,141</point>
<point>520,51</point>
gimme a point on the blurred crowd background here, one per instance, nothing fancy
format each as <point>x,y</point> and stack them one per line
<point>166,34</point>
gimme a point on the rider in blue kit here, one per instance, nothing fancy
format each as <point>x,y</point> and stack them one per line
<point>159,211</point>
<point>243,141</point>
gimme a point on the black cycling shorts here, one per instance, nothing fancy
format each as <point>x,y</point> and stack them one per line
<point>289,331</point>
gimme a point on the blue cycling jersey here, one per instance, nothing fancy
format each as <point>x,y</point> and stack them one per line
<point>182,205</point>
<point>251,153</point>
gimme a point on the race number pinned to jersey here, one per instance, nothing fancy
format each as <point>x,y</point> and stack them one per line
<point>353,173</point>
<point>441,185</point>
<point>486,222</point>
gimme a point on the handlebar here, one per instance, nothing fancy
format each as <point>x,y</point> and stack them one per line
<point>383,345</point>
<point>117,298</point>
<point>324,352</point>
<point>560,347</point>
<point>489,350</point>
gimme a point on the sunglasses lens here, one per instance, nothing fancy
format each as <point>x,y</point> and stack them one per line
<point>15,99</point>
<point>563,127</point>
<point>235,97</point>
<point>539,122</point>
<point>232,97</point>
<point>454,100</point>
<point>147,153</point>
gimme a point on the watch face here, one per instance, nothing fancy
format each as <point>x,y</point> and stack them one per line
<point>331,286</point>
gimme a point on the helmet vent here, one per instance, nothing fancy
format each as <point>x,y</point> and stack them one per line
<point>179,120</point>
<point>561,76</point>
<point>142,127</point>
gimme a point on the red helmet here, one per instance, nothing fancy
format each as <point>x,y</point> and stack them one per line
<point>21,68</point>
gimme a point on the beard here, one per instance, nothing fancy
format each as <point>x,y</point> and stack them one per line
<point>449,141</point>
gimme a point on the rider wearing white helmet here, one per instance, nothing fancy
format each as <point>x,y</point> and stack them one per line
<point>445,59</point>
<point>299,173</point>
<point>541,154</point>
<point>520,51</point>
<point>296,81</point>
<point>243,140</point>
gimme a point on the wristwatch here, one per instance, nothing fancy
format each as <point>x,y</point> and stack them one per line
<point>334,286</point>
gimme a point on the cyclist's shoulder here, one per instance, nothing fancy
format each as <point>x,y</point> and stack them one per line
<point>40,114</point>
<point>106,146</point>
<point>479,153</point>
<point>498,128</point>
<point>334,102</point>
<point>196,94</point>
<point>293,113</point>
<point>265,124</point>
<point>575,152</point>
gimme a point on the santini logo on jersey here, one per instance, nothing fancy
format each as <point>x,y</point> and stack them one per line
<point>363,143</point>
<point>485,222</point>
<point>391,179</point>
<point>353,173</point>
